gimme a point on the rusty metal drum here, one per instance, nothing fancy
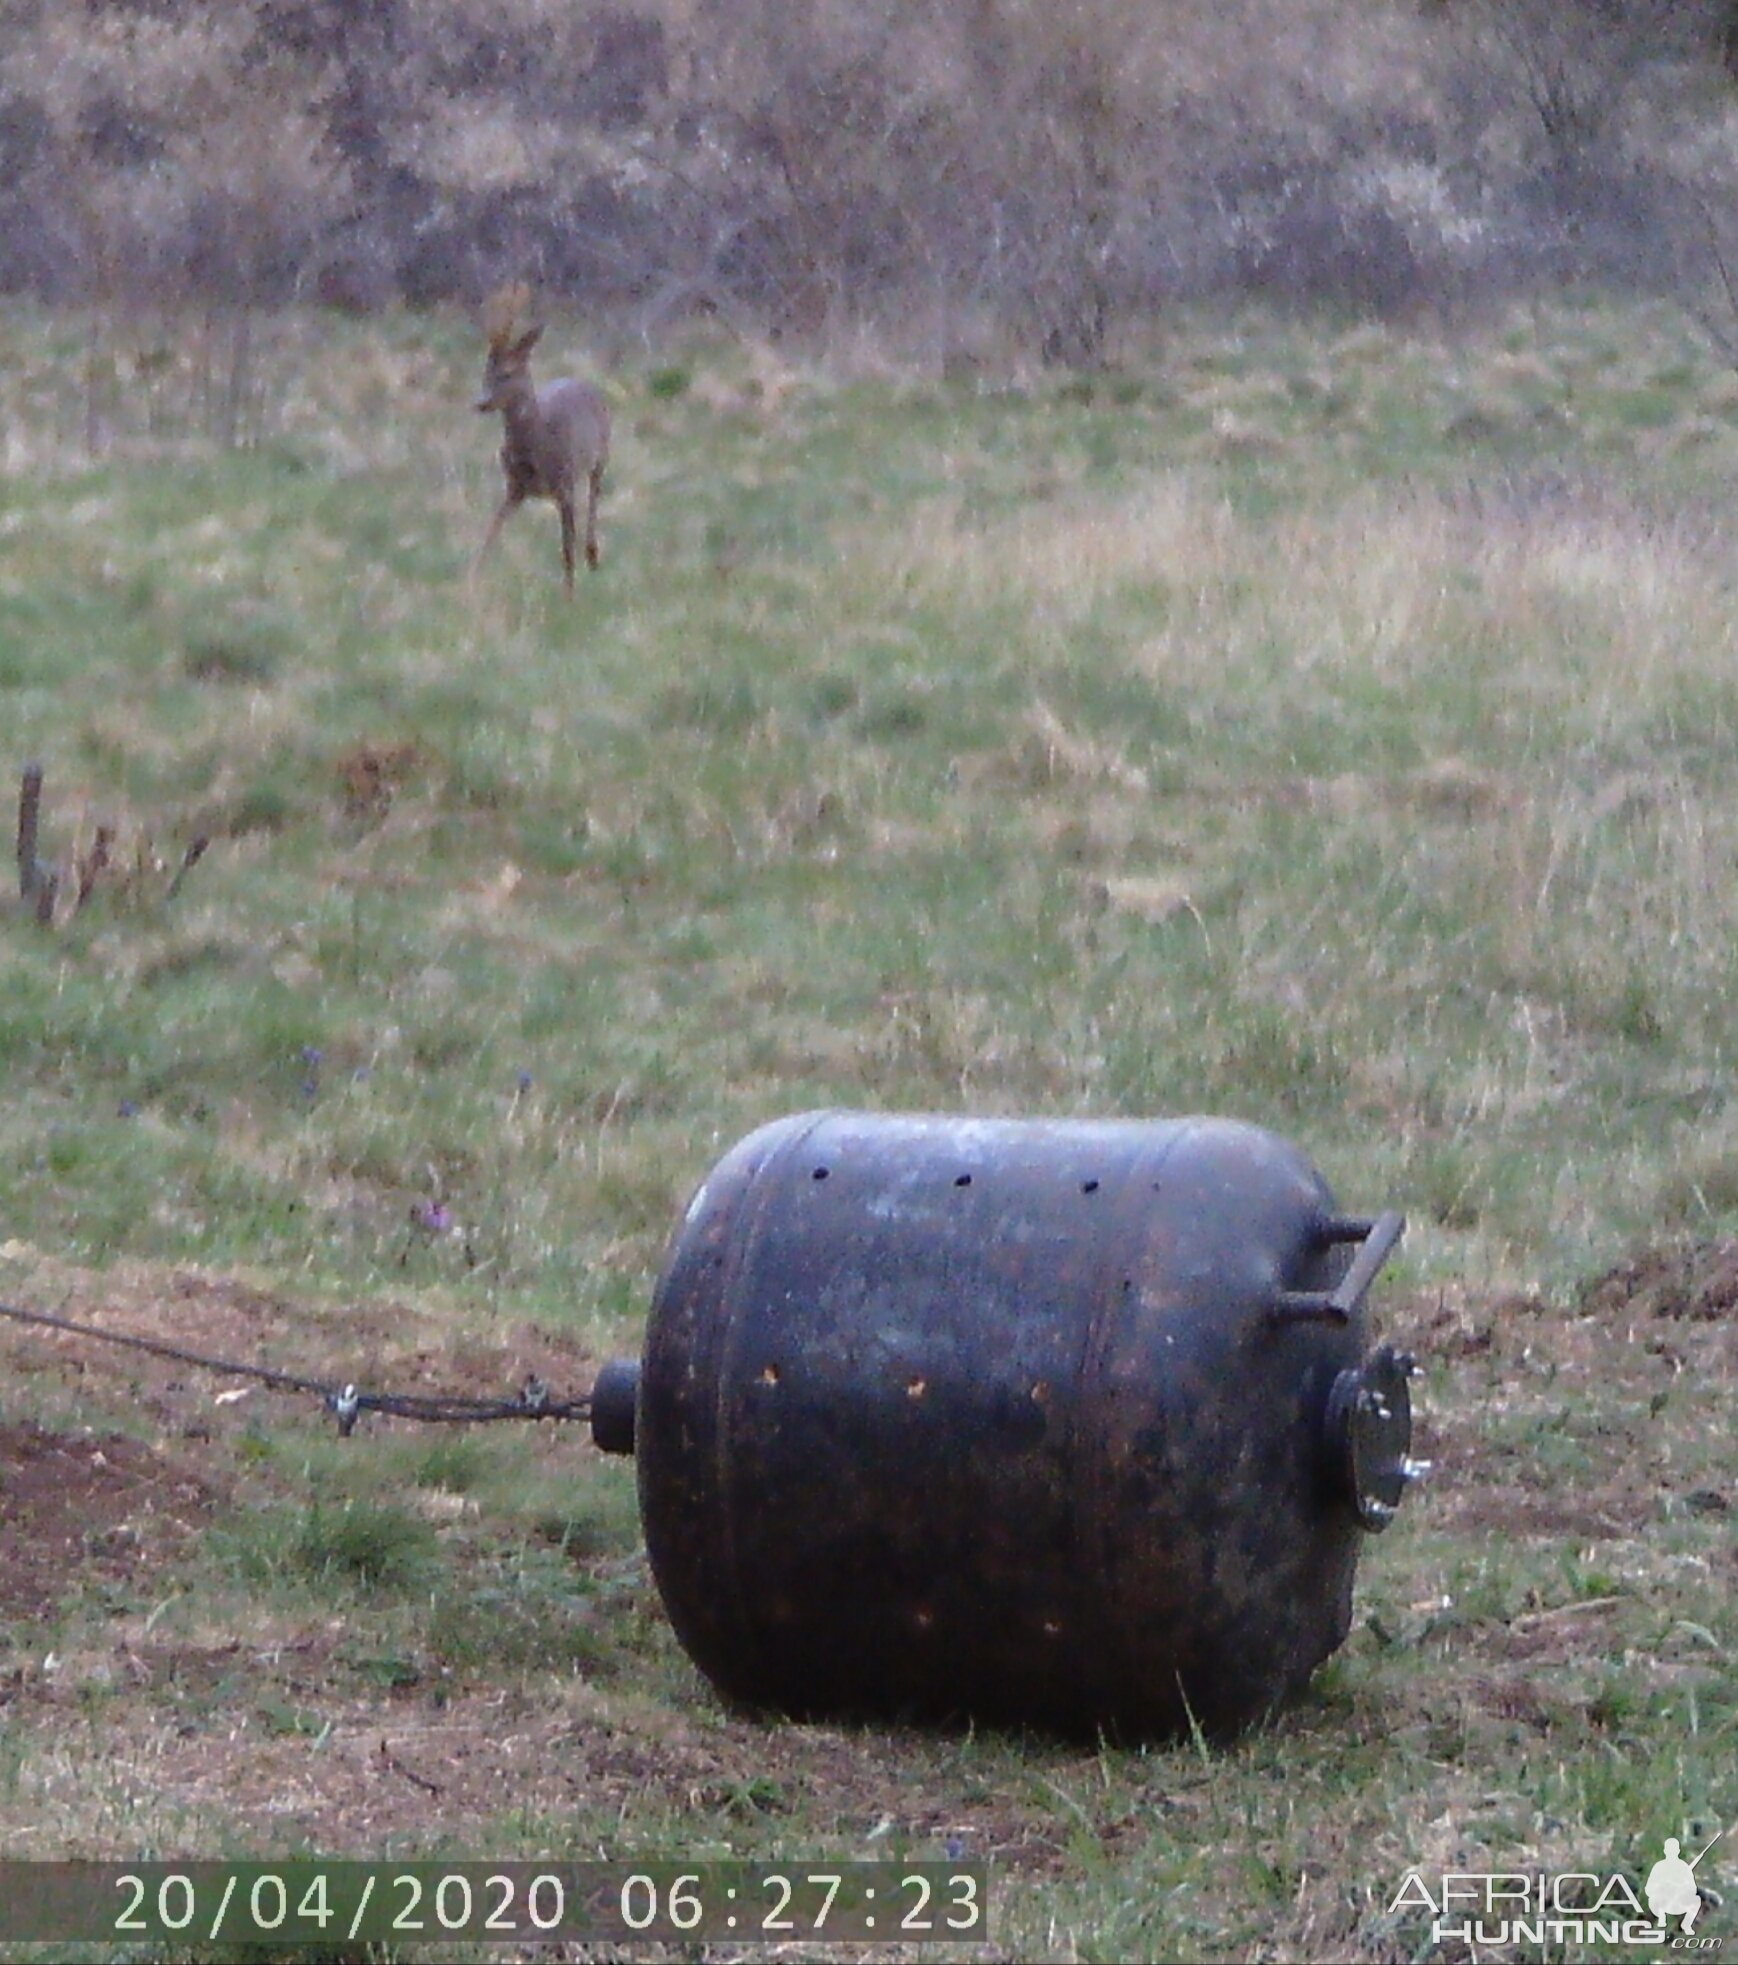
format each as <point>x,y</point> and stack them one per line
<point>1067,1423</point>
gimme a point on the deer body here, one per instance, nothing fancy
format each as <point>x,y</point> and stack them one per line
<point>556,436</point>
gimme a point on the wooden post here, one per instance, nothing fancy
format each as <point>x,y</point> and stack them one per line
<point>37,883</point>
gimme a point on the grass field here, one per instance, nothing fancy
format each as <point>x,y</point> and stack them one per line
<point>1332,727</point>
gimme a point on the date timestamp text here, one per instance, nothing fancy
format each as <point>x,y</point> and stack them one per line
<point>308,1901</point>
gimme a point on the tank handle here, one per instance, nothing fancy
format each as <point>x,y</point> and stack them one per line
<point>1340,1304</point>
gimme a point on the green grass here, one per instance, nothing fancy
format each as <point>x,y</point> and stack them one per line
<point>1330,728</point>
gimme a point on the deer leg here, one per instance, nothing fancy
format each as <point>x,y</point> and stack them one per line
<point>567,543</point>
<point>503,512</point>
<point>593,486</point>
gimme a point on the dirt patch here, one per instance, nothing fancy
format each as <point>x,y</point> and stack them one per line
<point>1563,1419</point>
<point>1612,1511</point>
<point>1697,1283</point>
<point>1452,1325</point>
<point>74,1506</point>
<point>371,776</point>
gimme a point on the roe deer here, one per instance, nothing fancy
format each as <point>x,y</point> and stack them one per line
<point>554,434</point>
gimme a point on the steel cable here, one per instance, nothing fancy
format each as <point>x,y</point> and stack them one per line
<point>346,1402</point>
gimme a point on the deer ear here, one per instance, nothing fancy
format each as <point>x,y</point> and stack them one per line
<point>527,341</point>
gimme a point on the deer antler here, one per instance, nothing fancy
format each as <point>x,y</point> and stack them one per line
<point>505,311</point>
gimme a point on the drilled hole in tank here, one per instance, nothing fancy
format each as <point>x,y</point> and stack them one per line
<point>820,1173</point>
<point>923,1617</point>
<point>769,1375</point>
<point>916,1387</point>
<point>962,1180</point>
<point>1052,1627</point>
<point>1089,1187</point>
<point>1041,1392</point>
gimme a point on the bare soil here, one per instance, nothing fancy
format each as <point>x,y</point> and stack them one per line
<point>77,1505</point>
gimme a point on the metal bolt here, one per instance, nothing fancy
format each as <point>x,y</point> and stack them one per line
<point>1415,1470</point>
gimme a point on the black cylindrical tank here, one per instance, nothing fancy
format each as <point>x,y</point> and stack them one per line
<point>1067,1423</point>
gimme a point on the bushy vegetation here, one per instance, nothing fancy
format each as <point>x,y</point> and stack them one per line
<point>961,178</point>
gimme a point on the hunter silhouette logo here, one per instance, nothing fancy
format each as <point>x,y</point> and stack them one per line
<point>1671,1886</point>
<point>1571,1907</point>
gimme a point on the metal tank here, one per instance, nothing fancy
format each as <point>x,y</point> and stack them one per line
<point>1070,1423</point>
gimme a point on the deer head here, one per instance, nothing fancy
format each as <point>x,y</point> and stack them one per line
<point>510,343</point>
